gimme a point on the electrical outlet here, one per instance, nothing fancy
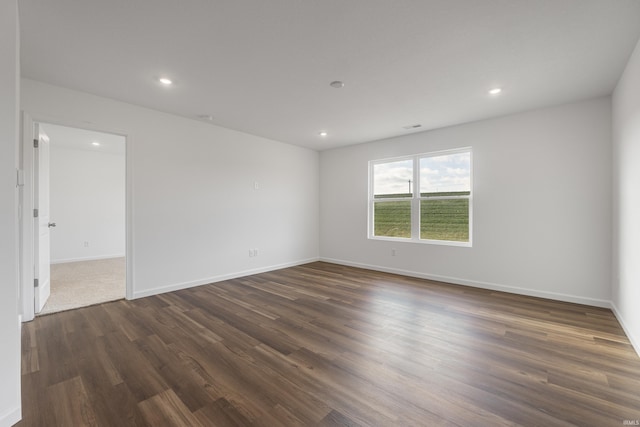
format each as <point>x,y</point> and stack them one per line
<point>393,252</point>
<point>255,252</point>
<point>86,244</point>
<point>250,253</point>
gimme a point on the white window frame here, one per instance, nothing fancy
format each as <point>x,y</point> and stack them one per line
<point>416,199</point>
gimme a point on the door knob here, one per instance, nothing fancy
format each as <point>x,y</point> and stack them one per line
<point>51,224</point>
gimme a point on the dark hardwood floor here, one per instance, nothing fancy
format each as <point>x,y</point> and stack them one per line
<point>328,345</point>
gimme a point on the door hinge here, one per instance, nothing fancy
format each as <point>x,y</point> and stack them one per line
<point>35,283</point>
<point>35,143</point>
<point>35,213</point>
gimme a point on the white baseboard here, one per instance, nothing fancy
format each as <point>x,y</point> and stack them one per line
<point>206,281</point>
<point>89,258</point>
<point>11,417</point>
<point>477,284</point>
<point>635,341</point>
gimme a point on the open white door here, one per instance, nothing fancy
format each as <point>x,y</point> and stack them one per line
<point>42,268</point>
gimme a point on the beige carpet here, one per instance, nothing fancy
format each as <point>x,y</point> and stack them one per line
<point>84,283</point>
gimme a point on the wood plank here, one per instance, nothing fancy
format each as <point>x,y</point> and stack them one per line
<point>166,409</point>
<point>71,404</point>
<point>329,345</point>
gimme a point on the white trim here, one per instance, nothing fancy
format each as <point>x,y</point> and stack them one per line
<point>423,241</point>
<point>200,282</point>
<point>129,209</point>
<point>26,251</point>
<point>635,341</point>
<point>89,258</point>
<point>477,284</point>
<point>11,417</point>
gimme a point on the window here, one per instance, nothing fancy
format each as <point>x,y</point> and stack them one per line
<point>425,198</point>
<point>392,193</point>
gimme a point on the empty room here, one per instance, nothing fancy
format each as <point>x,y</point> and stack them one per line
<point>323,213</point>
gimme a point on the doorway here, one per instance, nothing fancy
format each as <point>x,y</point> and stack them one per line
<point>87,206</point>
<point>78,192</point>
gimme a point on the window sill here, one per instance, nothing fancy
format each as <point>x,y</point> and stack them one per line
<point>423,241</point>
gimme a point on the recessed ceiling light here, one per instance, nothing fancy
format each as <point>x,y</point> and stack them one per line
<point>165,81</point>
<point>337,84</point>
<point>95,143</point>
<point>495,91</point>
<point>323,134</point>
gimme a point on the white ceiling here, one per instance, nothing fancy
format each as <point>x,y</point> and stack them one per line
<point>264,67</point>
<point>83,139</point>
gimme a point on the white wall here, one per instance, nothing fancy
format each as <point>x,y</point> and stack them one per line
<point>10,399</point>
<point>195,211</point>
<point>626,206</point>
<point>541,209</point>
<point>87,193</point>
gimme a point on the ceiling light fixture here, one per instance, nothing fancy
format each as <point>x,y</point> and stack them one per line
<point>495,91</point>
<point>95,143</point>
<point>323,134</point>
<point>207,117</point>
<point>165,81</point>
<point>337,84</point>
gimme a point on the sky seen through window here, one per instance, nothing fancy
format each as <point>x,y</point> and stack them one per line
<point>446,173</point>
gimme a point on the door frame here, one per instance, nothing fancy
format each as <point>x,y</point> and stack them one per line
<point>43,290</point>
<point>26,205</point>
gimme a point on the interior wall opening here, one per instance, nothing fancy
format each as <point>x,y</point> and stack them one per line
<point>86,216</point>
